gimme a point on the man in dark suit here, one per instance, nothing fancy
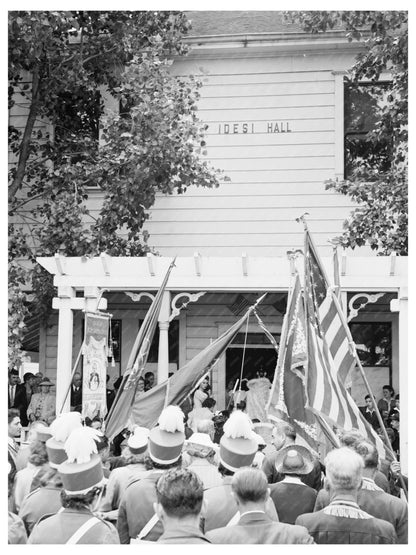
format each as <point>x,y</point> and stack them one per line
<point>250,491</point>
<point>23,396</point>
<point>76,393</point>
<point>343,521</point>
<point>284,434</point>
<point>180,495</point>
<point>14,388</point>
<point>291,496</point>
<point>369,412</point>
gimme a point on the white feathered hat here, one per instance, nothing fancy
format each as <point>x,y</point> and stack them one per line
<point>166,439</point>
<point>238,445</point>
<point>60,429</point>
<point>83,469</point>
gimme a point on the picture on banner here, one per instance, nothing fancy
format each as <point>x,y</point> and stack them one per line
<point>95,354</point>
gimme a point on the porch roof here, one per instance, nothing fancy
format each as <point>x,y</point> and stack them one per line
<point>238,273</point>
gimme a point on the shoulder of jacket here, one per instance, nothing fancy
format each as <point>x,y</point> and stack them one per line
<point>31,494</point>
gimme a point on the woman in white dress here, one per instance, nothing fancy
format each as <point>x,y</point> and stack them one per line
<point>200,394</point>
<point>257,396</point>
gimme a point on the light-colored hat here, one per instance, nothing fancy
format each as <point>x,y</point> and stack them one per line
<point>83,470</point>
<point>43,433</point>
<point>238,445</point>
<point>137,442</point>
<point>294,459</point>
<point>166,439</point>
<point>200,440</point>
<point>260,440</point>
<point>60,429</point>
<point>46,381</point>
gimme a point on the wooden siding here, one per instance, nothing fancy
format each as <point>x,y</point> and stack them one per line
<point>275,176</point>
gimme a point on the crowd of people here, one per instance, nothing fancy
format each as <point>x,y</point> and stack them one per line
<point>198,476</point>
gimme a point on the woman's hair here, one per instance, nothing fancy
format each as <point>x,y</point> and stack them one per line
<point>131,458</point>
<point>150,464</point>
<point>209,403</point>
<point>78,501</point>
<point>224,471</point>
<point>38,454</point>
<point>50,477</point>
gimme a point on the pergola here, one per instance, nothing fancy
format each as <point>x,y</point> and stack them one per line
<point>197,274</point>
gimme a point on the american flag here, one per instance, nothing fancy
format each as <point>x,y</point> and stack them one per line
<point>329,355</point>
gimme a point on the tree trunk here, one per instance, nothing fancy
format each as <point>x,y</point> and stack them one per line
<point>26,139</point>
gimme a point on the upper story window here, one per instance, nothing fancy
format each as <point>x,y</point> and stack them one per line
<point>362,104</point>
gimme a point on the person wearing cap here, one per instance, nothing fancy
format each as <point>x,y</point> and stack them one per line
<point>137,519</point>
<point>120,477</point>
<point>343,521</point>
<point>179,504</point>
<point>238,448</point>
<point>201,452</point>
<point>24,451</point>
<point>284,434</point>
<point>82,480</point>
<point>250,491</point>
<point>42,405</point>
<point>291,496</point>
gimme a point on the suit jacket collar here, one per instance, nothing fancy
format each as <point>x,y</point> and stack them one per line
<point>254,517</point>
<point>184,531</point>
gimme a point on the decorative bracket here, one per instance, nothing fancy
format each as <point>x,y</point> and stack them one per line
<point>136,297</point>
<point>370,299</point>
<point>191,299</point>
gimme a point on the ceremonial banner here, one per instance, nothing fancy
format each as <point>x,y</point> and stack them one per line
<point>147,408</point>
<point>121,408</point>
<point>288,394</point>
<point>94,401</point>
<point>330,355</point>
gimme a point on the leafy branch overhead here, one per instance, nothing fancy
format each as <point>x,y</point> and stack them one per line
<point>73,150</point>
<point>378,175</point>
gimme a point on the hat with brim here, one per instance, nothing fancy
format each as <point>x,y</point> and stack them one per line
<point>46,381</point>
<point>200,439</point>
<point>80,478</point>
<point>294,459</point>
<point>165,447</point>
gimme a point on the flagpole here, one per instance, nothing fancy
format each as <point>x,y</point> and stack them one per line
<point>366,383</point>
<point>282,349</point>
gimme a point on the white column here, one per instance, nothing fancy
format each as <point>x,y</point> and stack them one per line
<point>64,355</point>
<point>401,305</point>
<point>163,354</point>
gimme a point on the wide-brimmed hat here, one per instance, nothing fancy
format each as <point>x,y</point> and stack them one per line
<point>294,459</point>
<point>46,381</point>
<point>199,439</point>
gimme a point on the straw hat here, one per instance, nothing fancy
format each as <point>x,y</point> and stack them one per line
<point>294,459</point>
<point>46,381</point>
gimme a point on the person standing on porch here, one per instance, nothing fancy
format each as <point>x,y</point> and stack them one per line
<point>42,405</point>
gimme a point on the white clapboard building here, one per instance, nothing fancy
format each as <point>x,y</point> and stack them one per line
<point>274,99</point>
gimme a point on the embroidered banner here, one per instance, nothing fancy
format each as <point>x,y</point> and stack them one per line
<point>94,401</point>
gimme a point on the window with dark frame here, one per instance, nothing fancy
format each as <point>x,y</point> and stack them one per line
<point>362,103</point>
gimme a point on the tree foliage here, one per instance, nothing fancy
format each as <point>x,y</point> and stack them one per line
<point>378,180</point>
<point>57,62</point>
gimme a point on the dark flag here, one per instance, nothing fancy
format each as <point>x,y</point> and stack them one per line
<point>121,408</point>
<point>147,408</point>
<point>288,393</point>
<point>329,354</point>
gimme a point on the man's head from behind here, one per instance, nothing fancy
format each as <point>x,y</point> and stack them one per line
<point>179,495</point>
<point>250,488</point>
<point>344,470</point>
